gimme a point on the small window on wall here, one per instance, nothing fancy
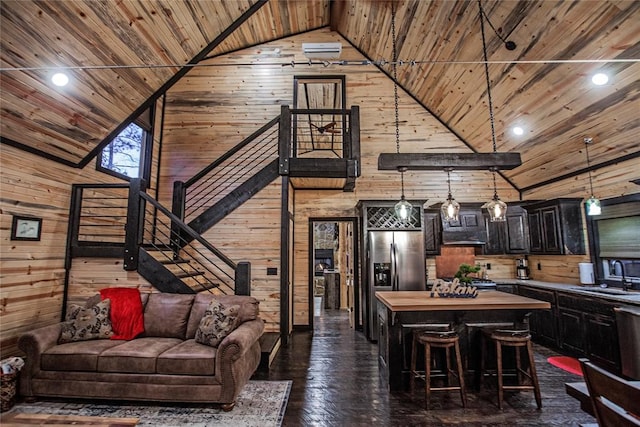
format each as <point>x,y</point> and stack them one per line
<point>128,155</point>
<point>124,155</point>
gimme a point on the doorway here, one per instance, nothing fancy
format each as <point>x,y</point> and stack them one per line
<point>333,269</point>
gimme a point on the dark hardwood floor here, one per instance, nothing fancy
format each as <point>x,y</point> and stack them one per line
<point>336,383</point>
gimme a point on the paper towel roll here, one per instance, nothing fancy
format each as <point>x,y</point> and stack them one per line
<point>586,273</point>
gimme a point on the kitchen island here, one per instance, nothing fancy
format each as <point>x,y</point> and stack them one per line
<point>400,312</point>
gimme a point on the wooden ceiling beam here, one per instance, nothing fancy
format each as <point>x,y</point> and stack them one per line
<point>456,161</point>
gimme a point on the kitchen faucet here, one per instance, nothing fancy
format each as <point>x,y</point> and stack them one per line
<point>624,279</point>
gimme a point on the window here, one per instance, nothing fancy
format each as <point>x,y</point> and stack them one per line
<point>128,155</point>
<point>124,155</point>
<point>615,246</point>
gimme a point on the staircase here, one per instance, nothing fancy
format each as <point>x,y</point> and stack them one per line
<point>166,247</point>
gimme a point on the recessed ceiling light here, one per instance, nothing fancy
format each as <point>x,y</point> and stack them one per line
<point>60,79</point>
<point>600,79</point>
<point>518,130</point>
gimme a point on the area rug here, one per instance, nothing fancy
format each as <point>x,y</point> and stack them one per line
<point>261,403</point>
<point>566,363</point>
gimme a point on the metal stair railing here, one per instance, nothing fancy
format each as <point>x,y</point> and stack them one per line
<point>121,220</point>
<point>205,267</point>
<point>223,176</point>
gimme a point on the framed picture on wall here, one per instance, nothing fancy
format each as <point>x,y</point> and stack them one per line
<point>26,228</point>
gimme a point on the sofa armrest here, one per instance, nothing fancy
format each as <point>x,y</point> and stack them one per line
<point>33,344</point>
<point>234,345</point>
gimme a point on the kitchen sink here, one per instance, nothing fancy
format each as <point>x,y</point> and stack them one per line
<point>608,291</point>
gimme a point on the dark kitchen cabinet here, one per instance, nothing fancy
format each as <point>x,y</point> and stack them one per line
<point>507,237</point>
<point>542,323</point>
<point>571,335</point>
<point>588,329</point>
<point>602,340</point>
<point>555,227</point>
<point>578,325</point>
<point>432,233</point>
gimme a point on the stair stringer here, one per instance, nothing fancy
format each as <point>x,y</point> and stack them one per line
<point>234,199</point>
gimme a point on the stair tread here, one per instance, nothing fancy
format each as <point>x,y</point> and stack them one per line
<point>175,261</point>
<point>186,274</point>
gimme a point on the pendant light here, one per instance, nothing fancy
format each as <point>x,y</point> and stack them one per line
<point>450,208</point>
<point>403,207</point>
<point>592,204</point>
<point>496,208</point>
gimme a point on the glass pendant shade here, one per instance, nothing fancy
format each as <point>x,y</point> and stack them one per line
<point>497,209</point>
<point>450,209</point>
<point>403,210</point>
<point>593,206</point>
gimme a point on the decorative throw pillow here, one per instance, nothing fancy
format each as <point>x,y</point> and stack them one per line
<point>86,323</point>
<point>218,322</point>
<point>126,315</point>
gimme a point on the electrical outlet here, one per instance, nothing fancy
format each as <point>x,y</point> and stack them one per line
<point>539,266</point>
<point>488,266</point>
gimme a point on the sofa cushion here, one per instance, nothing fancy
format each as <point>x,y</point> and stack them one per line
<point>248,309</point>
<point>188,358</point>
<point>75,356</point>
<point>86,323</point>
<point>166,315</point>
<point>218,322</point>
<point>136,356</point>
<point>126,312</point>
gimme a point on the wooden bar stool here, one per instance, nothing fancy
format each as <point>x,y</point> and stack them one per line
<point>518,340</point>
<point>444,340</point>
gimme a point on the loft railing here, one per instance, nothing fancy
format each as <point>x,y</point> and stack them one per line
<point>319,134</point>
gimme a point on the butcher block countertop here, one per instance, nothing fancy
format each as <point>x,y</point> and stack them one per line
<point>486,300</point>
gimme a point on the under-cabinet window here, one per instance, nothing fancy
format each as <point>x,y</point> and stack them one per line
<point>127,155</point>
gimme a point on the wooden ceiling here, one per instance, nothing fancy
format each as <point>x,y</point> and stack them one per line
<point>121,53</point>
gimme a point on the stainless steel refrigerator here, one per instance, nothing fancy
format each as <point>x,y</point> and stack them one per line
<point>396,262</point>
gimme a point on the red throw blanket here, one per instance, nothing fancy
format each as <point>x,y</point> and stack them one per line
<point>126,315</point>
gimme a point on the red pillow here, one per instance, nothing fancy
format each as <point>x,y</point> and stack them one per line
<point>126,315</point>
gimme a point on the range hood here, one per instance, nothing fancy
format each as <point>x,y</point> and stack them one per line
<point>468,230</point>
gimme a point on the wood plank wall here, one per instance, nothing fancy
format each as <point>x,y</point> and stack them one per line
<point>32,273</point>
<point>32,278</point>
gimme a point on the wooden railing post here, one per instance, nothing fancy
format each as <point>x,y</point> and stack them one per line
<point>135,224</point>
<point>243,278</point>
<point>284,142</point>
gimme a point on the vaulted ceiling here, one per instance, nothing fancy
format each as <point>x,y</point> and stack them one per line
<point>121,53</point>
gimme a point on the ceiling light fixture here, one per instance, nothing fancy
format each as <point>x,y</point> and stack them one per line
<point>592,204</point>
<point>403,207</point>
<point>517,130</point>
<point>450,208</point>
<point>600,79</point>
<point>496,208</point>
<point>60,79</point>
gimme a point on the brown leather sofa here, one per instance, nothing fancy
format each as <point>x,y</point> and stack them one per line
<point>165,363</point>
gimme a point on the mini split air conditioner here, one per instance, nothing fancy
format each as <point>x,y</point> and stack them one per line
<point>322,50</point>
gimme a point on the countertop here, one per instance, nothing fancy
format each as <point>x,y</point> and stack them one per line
<point>631,297</point>
<point>486,300</point>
